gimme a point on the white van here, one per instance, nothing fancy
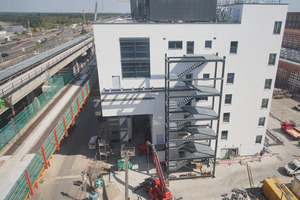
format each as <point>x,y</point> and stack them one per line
<point>93,142</point>
<point>293,167</point>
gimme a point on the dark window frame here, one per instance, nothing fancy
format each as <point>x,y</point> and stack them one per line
<point>135,57</point>
<point>224,135</point>
<point>175,44</point>
<point>258,139</point>
<point>230,78</point>
<point>228,99</point>
<point>190,47</point>
<point>277,27</point>
<point>268,84</point>
<point>206,76</point>
<point>208,44</point>
<point>264,103</point>
<point>272,58</point>
<point>234,47</point>
<point>261,121</point>
<point>226,117</point>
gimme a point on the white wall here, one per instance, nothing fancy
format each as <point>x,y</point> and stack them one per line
<point>255,42</point>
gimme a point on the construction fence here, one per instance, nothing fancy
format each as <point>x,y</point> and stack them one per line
<point>35,169</point>
<point>16,124</point>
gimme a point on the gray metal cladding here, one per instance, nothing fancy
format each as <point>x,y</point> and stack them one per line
<point>174,10</point>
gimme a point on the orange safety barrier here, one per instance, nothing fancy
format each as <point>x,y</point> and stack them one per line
<point>28,181</point>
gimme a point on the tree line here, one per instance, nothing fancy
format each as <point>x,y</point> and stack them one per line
<point>50,20</point>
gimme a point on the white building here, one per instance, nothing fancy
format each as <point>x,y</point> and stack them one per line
<point>131,68</point>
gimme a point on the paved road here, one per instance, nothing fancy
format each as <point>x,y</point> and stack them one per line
<point>73,158</point>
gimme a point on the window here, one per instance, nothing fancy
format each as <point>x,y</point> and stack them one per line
<point>135,57</point>
<point>268,83</point>
<point>291,37</point>
<point>224,135</point>
<point>285,36</point>
<point>189,76</point>
<point>264,103</point>
<point>230,77</point>
<point>226,117</point>
<point>205,98</point>
<point>175,44</point>
<point>205,76</point>
<point>261,121</point>
<point>189,47</point>
<point>277,27</point>
<point>233,47</point>
<point>228,98</point>
<point>258,139</point>
<point>272,58</point>
<point>296,39</point>
<point>208,44</point>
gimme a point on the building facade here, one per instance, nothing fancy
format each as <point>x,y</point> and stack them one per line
<point>288,73</point>
<point>293,20</point>
<point>291,39</point>
<point>237,59</point>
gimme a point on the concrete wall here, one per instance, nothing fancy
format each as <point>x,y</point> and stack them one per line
<point>255,42</point>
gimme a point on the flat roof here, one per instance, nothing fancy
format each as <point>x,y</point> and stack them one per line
<point>290,55</point>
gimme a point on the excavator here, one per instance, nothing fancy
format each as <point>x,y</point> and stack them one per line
<point>156,186</point>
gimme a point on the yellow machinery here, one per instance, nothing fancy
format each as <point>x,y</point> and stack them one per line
<point>275,189</point>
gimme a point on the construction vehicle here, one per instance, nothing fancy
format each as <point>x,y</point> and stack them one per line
<point>293,167</point>
<point>156,186</point>
<point>275,189</point>
<point>29,34</point>
<point>11,38</point>
<point>290,128</point>
<point>43,40</point>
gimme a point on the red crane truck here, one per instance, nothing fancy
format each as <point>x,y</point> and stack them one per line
<point>289,128</point>
<point>156,187</point>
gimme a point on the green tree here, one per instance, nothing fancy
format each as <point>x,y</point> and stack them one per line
<point>1,28</point>
<point>16,33</point>
<point>24,32</point>
<point>83,31</point>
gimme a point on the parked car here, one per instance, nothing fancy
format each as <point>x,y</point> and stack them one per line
<point>4,55</point>
<point>297,107</point>
<point>4,42</point>
<point>35,53</point>
<point>19,42</point>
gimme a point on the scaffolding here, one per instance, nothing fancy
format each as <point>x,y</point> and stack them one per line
<point>191,131</point>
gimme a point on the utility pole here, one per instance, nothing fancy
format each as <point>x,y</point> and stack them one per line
<point>96,7</point>
<point>29,28</point>
<point>126,152</point>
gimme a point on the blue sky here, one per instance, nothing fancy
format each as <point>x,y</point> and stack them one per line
<point>78,5</point>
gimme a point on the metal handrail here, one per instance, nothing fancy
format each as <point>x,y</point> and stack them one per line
<point>226,2</point>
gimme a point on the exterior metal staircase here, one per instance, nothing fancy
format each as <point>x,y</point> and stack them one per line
<point>188,70</point>
<point>186,100</point>
<point>187,140</point>
<point>176,165</point>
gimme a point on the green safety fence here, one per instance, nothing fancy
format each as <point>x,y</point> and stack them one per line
<point>8,132</point>
<point>37,165</point>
